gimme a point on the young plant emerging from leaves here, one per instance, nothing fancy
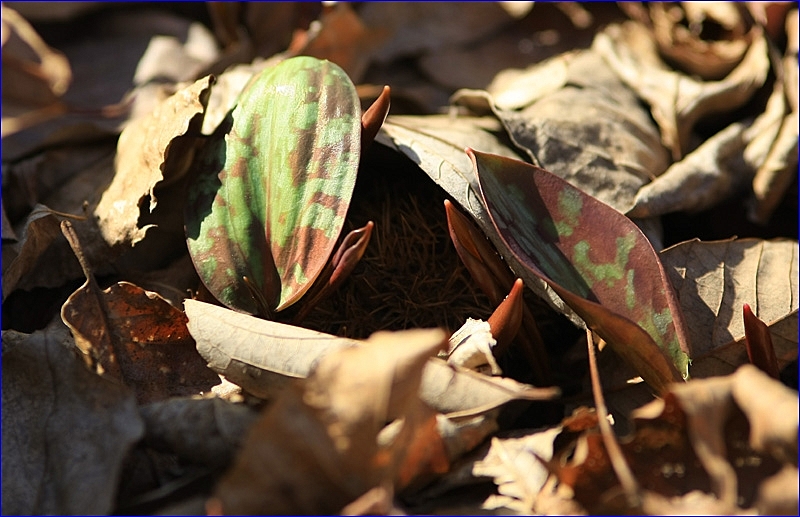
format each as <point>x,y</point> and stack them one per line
<point>274,186</point>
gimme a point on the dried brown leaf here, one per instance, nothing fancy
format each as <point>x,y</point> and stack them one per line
<point>261,356</point>
<point>150,152</point>
<point>331,424</point>
<point>516,470</point>
<point>139,338</point>
<point>708,435</point>
<point>714,279</point>
<point>66,431</point>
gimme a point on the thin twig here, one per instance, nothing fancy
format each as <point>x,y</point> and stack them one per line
<point>618,463</point>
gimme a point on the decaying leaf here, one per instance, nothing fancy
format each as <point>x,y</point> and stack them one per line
<point>139,338</point>
<point>153,150</point>
<point>712,281</point>
<point>514,465</point>
<point>261,356</point>
<point>678,101</point>
<point>581,123</point>
<point>327,428</point>
<point>706,435</point>
<point>66,431</point>
<point>275,185</point>
<point>589,254</point>
<point>709,174</point>
<point>471,347</point>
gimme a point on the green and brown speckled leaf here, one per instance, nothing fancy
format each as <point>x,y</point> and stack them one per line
<point>594,257</point>
<point>275,184</point>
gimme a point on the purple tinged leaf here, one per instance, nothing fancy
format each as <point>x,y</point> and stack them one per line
<point>594,257</point>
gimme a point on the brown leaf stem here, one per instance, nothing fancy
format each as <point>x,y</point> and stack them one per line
<point>618,463</point>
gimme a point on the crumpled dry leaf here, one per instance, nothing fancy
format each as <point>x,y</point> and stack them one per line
<point>708,435</point>
<point>565,124</point>
<point>139,338</point>
<point>66,431</point>
<point>776,160</point>
<point>156,149</point>
<point>516,470</point>
<point>330,425</point>
<point>680,32</point>
<point>471,347</point>
<point>712,281</point>
<point>35,76</point>
<point>708,175</point>
<point>676,100</point>
<point>261,356</point>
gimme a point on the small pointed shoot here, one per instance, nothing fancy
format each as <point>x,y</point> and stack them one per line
<point>467,239</point>
<point>506,320</point>
<point>372,119</point>
<point>759,343</point>
<point>339,268</point>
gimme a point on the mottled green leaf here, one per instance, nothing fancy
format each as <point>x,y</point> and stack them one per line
<point>275,184</point>
<point>594,257</point>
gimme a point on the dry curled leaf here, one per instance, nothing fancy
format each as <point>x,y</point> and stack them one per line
<point>153,150</point>
<point>708,435</point>
<point>678,101</point>
<point>328,428</point>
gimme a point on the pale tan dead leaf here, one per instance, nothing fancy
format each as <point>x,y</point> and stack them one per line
<point>287,465</point>
<point>565,125</point>
<point>708,175</point>
<point>778,494</point>
<point>261,356</point>
<point>777,164</point>
<point>714,279</point>
<point>35,76</point>
<point>471,347</point>
<point>678,101</point>
<point>330,424</point>
<point>516,470</point>
<point>150,152</point>
<point>66,431</point>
